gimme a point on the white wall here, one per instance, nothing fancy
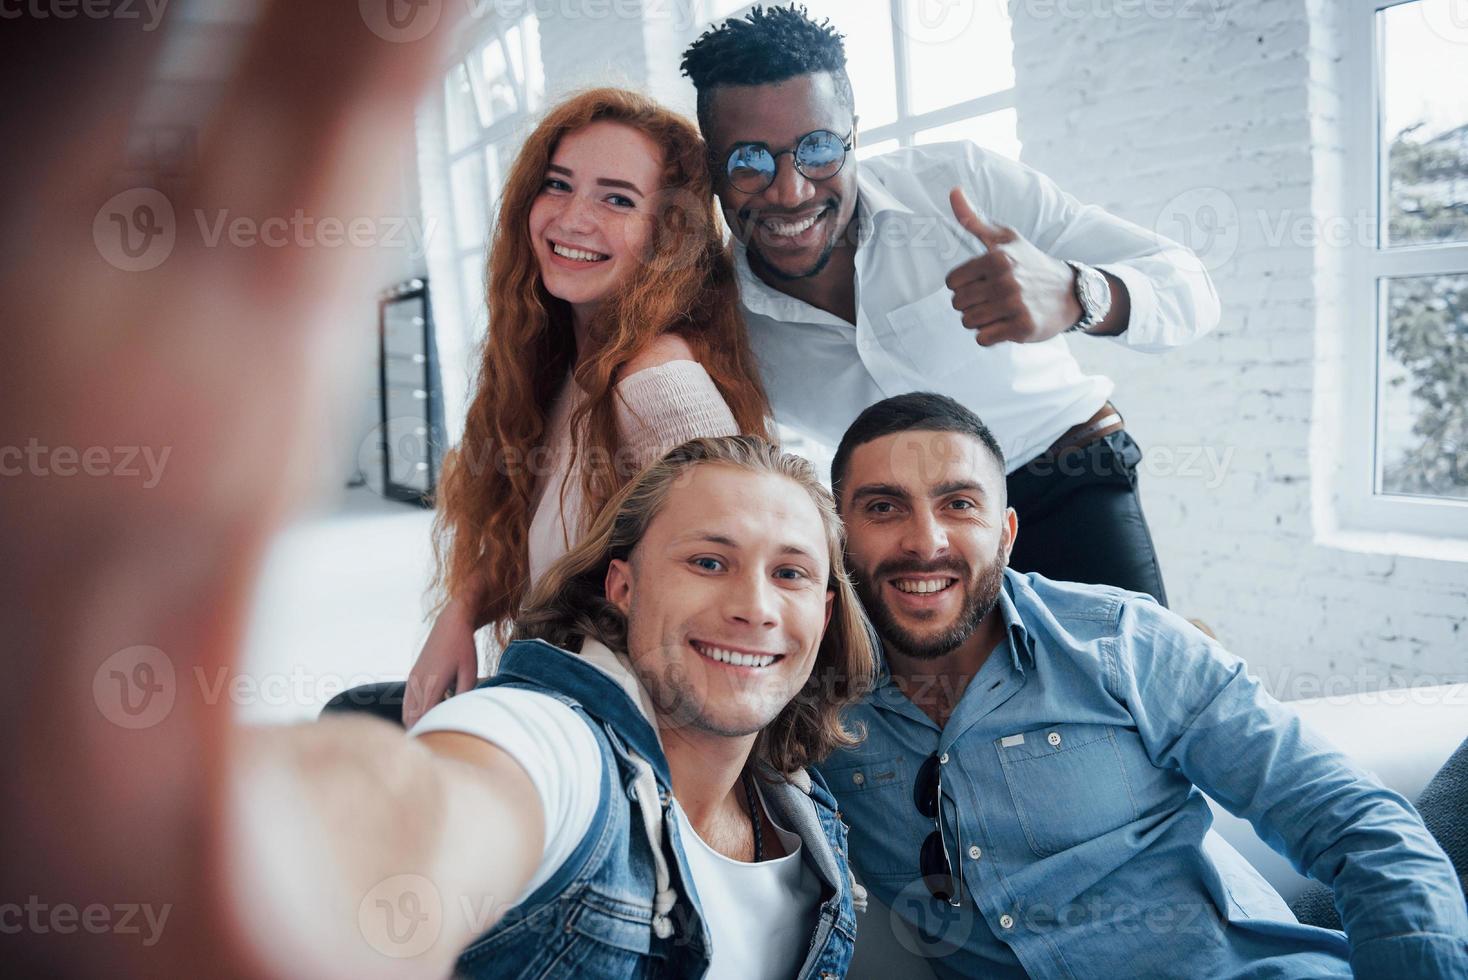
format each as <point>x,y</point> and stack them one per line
<point>1237,103</point>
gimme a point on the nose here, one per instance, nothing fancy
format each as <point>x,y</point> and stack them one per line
<point>790,188</point>
<point>925,537</point>
<point>577,216</point>
<point>750,600</point>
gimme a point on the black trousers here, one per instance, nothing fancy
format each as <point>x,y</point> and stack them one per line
<point>1080,519</point>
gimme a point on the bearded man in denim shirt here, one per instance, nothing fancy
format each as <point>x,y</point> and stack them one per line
<point>1029,795</point>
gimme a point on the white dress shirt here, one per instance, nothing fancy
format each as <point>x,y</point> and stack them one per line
<point>820,371</point>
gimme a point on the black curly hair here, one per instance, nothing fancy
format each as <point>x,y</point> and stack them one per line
<point>767,45</point>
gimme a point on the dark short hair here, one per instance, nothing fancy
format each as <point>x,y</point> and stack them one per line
<point>767,45</point>
<point>920,411</point>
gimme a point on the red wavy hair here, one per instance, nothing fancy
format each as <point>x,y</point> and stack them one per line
<point>685,284</point>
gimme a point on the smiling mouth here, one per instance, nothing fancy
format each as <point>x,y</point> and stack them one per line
<point>787,228</point>
<point>735,658</point>
<point>923,586</point>
<point>577,254</point>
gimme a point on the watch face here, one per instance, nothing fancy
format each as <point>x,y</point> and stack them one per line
<point>1095,295</point>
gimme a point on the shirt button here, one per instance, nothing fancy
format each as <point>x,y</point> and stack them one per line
<point>858,778</point>
<point>975,851</point>
<point>1053,738</point>
<point>943,759</point>
<point>1006,921</point>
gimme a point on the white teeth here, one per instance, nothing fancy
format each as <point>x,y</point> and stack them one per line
<point>735,659</point>
<point>576,253</point>
<point>922,586</point>
<point>789,230</point>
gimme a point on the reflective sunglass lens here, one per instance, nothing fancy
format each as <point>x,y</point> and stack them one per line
<point>751,167</point>
<point>820,154</point>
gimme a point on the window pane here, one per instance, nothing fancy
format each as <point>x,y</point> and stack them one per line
<point>532,71</point>
<point>875,149</point>
<point>471,201</point>
<point>463,122</point>
<point>995,131</point>
<point>956,50</point>
<point>1423,395</point>
<point>867,26</point>
<point>472,277</point>
<point>1425,121</point>
<point>494,83</point>
<point>720,9</point>
<point>497,160</point>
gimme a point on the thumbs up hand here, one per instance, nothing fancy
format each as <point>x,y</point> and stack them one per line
<point>1013,291</point>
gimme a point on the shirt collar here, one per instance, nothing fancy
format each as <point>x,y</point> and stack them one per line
<point>874,199</point>
<point>595,678</point>
<point>1021,641</point>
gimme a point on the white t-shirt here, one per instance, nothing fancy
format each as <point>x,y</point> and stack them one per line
<point>760,916</point>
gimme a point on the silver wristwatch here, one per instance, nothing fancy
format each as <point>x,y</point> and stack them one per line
<point>1094,294</point>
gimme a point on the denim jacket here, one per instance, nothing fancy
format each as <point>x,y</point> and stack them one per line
<point>623,904</point>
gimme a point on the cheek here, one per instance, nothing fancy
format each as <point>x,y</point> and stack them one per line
<point>865,546</point>
<point>542,210</point>
<point>631,235</point>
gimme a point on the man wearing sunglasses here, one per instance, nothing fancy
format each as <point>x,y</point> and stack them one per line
<point>860,282</point>
<point>1028,794</point>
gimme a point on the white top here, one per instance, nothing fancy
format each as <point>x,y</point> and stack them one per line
<point>908,337</point>
<point>760,916</point>
<point>657,408</point>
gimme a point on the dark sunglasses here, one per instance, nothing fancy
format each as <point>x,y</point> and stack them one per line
<point>933,862</point>
<point>818,156</point>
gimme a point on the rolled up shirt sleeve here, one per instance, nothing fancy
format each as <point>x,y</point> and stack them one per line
<point>1173,301</point>
<point>1200,712</point>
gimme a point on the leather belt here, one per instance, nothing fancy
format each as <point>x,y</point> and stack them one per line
<point>1106,421</point>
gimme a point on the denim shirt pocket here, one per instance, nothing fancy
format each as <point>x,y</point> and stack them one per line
<point>1068,784</point>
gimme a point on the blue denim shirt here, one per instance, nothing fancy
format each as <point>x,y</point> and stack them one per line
<point>1074,764</point>
<point>598,914</point>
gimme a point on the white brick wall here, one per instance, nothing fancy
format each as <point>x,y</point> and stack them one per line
<point>1239,96</point>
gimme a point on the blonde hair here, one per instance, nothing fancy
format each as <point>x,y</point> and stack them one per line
<point>569,603</point>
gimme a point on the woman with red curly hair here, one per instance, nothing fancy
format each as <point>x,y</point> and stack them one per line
<point>615,334</point>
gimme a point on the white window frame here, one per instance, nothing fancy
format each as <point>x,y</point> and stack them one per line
<point>907,125</point>
<point>501,130</point>
<point>1360,508</point>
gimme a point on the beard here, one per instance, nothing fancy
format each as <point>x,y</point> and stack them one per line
<point>683,692</point>
<point>980,596</point>
<point>753,246</point>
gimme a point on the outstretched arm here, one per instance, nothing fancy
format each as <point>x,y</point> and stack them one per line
<point>1199,711</point>
<point>131,333</point>
<point>361,853</point>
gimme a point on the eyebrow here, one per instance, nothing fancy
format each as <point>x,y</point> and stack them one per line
<point>601,181</point>
<point>941,490</point>
<point>728,542</point>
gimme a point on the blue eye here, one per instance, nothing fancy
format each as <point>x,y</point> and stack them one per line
<point>622,202</point>
<point>555,184</point>
<point>708,564</point>
<point>797,573</point>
